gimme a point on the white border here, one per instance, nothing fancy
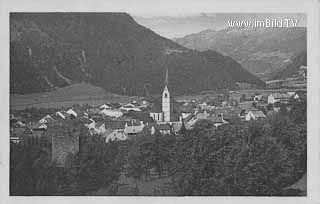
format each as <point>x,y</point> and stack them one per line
<point>311,8</point>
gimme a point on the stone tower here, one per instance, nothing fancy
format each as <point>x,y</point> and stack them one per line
<point>166,100</point>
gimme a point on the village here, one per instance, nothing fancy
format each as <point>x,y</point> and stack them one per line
<point>121,122</point>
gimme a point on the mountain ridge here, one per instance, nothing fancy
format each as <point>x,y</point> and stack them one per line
<point>261,51</point>
<point>109,50</point>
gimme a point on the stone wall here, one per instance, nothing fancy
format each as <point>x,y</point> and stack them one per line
<point>65,140</point>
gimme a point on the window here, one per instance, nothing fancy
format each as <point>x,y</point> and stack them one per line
<point>166,95</point>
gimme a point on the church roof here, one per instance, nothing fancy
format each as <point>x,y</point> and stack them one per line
<point>166,80</point>
<point>156,108</point>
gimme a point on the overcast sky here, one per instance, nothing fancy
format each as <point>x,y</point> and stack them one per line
<point>179,25</point>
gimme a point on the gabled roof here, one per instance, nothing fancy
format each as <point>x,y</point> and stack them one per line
<point>135,103</point>
<point>72,112</point>
<point>105,106</point>
<point>257,113</point>
<point>189,117</point>
<point>60,115</point>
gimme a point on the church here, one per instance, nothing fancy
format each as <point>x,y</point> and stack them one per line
<point>164,115</point>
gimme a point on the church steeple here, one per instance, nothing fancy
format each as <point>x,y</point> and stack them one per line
<point>166,80</point>
<point>166,99</point>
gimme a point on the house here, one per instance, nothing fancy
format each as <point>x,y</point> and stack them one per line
<point>115,130</point>
<point>115,135</point>
<point>254,114</point>
<point>111,113</point>
<point>258,97</point>
<point>100,128</point>
<point>85,115</point>
<point>15,139</point>
<point>202,116</point>
<point>278,97</point>
<point>185,115</point>
<point>17,132</point>
<point>105,106</point>
<point>46,119</point>
<point>130,107</point>
<point>16,123</point>
<point>132,128</point>
<point>164,128</point>
<point>135,103</point>
<point>224,103</point>
<point>91,124</point>
<point>207,107</point>
<point>96,127</point>
<point>72,113</point>
<point>190,121</point>
<point>43,126</point>
<point>60,115</point>
<point>217,120</point>
<point>145,103</point>
<point>176,127</point>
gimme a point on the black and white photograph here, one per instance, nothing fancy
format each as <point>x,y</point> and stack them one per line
<point>125,103</point>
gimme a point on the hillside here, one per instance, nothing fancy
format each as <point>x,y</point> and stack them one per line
<point>108,50</point>
<point>293,68</point>
<point>80,93</point>
<point>262,51</point>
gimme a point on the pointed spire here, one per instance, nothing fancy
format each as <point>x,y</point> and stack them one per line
<point>166,81</point>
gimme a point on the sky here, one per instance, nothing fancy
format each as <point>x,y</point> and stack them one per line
<point>179,24</point>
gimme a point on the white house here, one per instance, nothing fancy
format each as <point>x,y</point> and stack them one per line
<point>46,119</point>
<point>278,97</point>
<point>61,115</point>
<point>105,106</point>
<point>130,107</point>
<point>254,115</point>
<point>164,128</point>
<point>72,112</point>
<point>258,97</point>
<point>185,115</point>
<point>111,113</point>
<point>133,129</point>
<point>117,134</point>
<point>43,126</point>
<point>91,125</point>
<point>100,128</point>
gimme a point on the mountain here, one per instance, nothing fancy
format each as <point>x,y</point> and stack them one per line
<point>293,68</point>
<point>262,51</point>
<point>112,51</point>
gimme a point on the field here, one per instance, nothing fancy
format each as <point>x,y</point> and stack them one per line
<point>235,94</point>
<point>81,93</point>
